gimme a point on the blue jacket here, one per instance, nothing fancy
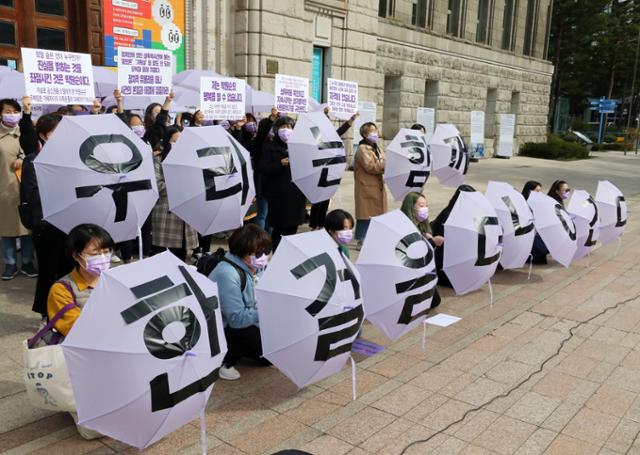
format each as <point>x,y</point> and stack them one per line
<point>238,308</point>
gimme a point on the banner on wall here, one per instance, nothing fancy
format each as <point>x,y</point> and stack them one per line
<point>150,24</point>
<point>426,117</point>
<point>476,150</point>
<point>507,132</point>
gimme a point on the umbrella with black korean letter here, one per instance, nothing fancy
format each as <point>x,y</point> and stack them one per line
<point>209,179</point>
<point>309,307</point>
<point>316,157</point>
<point>450,155</point>
<point>584,212</point>
<point>408,163</point>
<point>516,220</point>
<point>145,352</point>
<point>93,169</point>
<point>555,227</point>
<point>612,210</point>
<point>473,242</point>
<point>397,269</point>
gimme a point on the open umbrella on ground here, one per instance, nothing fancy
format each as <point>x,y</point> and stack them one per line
<point>309,307</point>
<point>516,221</point>
<point>612,210</point>
<point>584,212</point>
<point>12,84</point>
<point>145,352</point>
<point>555,227</point>
<point>449,154</point>
<point>93,169</point>
<point>209,179</point>
<point>105,81</point>
<point>397,269</point>
<point>473,242</point>
<point>316,157</point>
<point>408,163</point>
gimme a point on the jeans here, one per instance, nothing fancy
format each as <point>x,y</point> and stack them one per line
<point>362,226</point>
<point>263,210</point>
<point>9,249</point>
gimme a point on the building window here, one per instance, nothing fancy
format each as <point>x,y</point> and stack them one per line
<point>490,113</point>
<point>531,27</point>
<point>456,17</point>
<point>7,33</point>
<point>422,13</point>
<point>386,8</point>
<point>7,3</point>
<point>391,103</point>
<point>485,19</point>
<point>509,24</point>
<point>49,38</point>
<point>548,30</point>
<point>317,73</point>
<point>53,7</point>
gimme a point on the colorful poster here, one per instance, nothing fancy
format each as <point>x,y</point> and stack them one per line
<point>143,72</point>
<point>222,98</point>
<point>477,134</point>
<point>292,93</point>
<point>426,117</point>
<point>57,77</point>
<point>149,24</point>
<point>507,132</point>
<point>343,98</point>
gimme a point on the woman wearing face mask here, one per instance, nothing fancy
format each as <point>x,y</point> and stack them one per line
<point>156,119</point>
<point>560,191</point>
<point>339,225</point>
<point>286,202</point>
<point>49,241</point>
<point>11,227</point>
<point>169,231</point>
<point>198,118</point>
<point>236,276</point>
<point>370,193</point>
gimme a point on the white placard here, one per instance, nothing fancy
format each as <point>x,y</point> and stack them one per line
<point>442,320</point>
<point>507,131</point>
<point>426,117</point>
<point>222,98</point>
<point>57,77</point>
<point>477,134</point>
<point>367,110</point>
<point>292,93</point>
<point>144,72</point>
<point>342,98</point>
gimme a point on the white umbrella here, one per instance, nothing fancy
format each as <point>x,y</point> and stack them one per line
<point>397,268</point>
<point>316,157</point>
<point>473,242</point>
<point>555,227</point>
<point>12,85</point>
<point>612,210</point>
<point>186,96</point>
<point>516,220</point>
<point>257,101</point>
<point>191,78</point>
<point>145,352</point>
<point>584,212</point>
<point>408,163</point>
<point>209,179</point>
<point>449,154</point>
<point>105,81</point>
<point>135,102</point>
<point>93,169</point>
<point>309,307</point>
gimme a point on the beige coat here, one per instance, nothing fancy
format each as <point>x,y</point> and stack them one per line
<point>10,225</point>
<point>370,194</point>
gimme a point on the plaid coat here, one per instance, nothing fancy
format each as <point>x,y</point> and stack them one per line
<point>169,229</point>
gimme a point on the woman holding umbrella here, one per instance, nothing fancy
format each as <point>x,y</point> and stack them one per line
<point>286,202</point>
<point>539,250</point>
<point>370,194</point>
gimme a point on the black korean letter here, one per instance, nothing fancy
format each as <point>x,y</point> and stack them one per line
<point>209,175</point>
<point>482,240</point>
<point>619,221</point>
<point>418,154</point>
<point>324,351</point>
<point>592,223</point>
<point>519,230</point>
<point>323,182</point>
<point>559,213</point>
<point>329,286</point>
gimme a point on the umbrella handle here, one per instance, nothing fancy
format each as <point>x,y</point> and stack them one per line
<point>530,267</point>
<point>618,247</point>
<point>203,432</point>
<point>490,292</point>
<point>140,242</point>
<point>354,390</point>
<point>424,336</point>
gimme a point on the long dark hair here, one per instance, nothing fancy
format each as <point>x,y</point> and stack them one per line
<point>530,186</point>
<point>148,115</point>
<point>442,216</point>
<point>166,140</point>
<point>553,191</point>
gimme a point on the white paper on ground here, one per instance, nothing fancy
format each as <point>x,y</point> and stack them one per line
<point>442,320</point>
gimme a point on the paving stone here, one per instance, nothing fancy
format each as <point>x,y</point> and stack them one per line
<point>505,435</point>
<point>533,408</point>
<point>591,426</point>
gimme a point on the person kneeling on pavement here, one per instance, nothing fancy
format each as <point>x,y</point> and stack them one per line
<point>236,276</point>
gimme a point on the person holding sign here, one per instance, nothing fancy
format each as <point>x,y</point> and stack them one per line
<point>370,193</point>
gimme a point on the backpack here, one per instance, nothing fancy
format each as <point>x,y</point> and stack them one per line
<point>209,261</point>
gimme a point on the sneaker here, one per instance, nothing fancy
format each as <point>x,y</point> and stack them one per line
<point>10,272</point>
<point>115,259</point>
<point>229,373</point>
<point>29,270</point>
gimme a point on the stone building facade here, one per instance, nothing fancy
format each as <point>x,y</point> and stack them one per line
<point>452,55</point>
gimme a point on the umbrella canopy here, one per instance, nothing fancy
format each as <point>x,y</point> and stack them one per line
<point>516,221</point>
<point>186,96</point>
<point>105,81</point>
<point>257,101</point>
<point>612,210</point>
<point>191,78</point>
<point>408,163</point>
<point>309,307</point>
<point>449,154</point>
<point>12,84</point>
<point>584,212</point>
<point>317,157</point>
<point>135,102</point>
<point>209,179</point>
<point>555,227</point>
<point>473,242</point>
<point>93,169</point>
<point>398,274</point>
<point>146,350</point>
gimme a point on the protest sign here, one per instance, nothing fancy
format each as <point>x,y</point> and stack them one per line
<point>426,117</point>
<point>477,135</point>
<point>343,98</point>
<point>57,77</point>
<point>144,72</point>
<point>291,93</point>
<point>507,131</point>
<point>222,98</point>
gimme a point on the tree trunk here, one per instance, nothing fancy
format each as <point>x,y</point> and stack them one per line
<point>612,76</point>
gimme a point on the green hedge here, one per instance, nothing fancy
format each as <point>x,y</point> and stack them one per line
<point>555,149</point>
<point>618,147</point>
